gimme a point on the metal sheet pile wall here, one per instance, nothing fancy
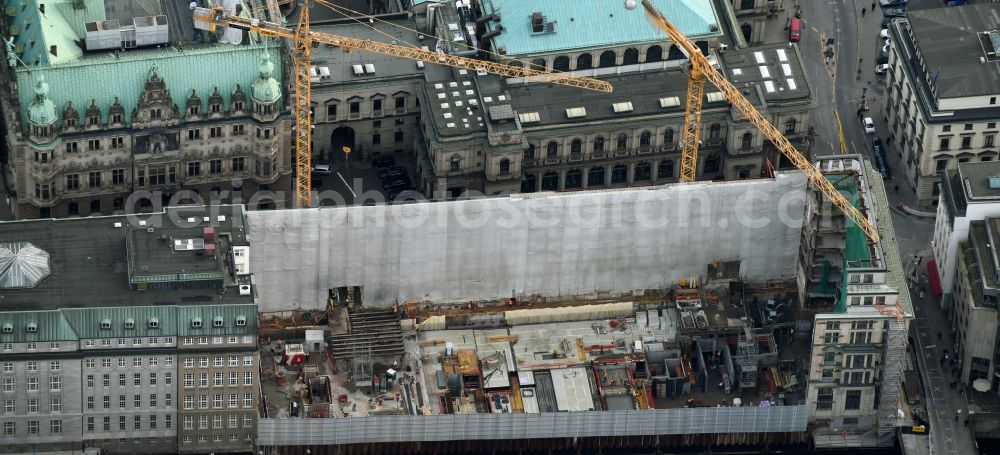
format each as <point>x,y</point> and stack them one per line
<point>566,244</point>
<point>453,427</point>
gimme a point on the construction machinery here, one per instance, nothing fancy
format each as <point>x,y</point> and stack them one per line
<point>700,70</point>
<point>303,40</point>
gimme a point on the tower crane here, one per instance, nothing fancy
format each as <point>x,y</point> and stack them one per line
<point>701,70</point>
<point>303,39</point>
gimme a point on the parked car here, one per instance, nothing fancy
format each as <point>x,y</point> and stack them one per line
<point>884,34</point>
<point>881,69</point>
<point>887,3</point>
<point>869,125</point>
<point>322,169</point>
<point>893,13</point>
<point>383,161</point>
<point>880,158</point>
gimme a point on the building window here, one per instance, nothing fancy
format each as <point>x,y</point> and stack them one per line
<point>194,169</point>
<point>215,166</point>
<point>598,144</point>
<point>645,139</point>
<point>945,142</point>
<point>456,162</point>
<point>747,142</point>
<point>712,164</point>
<point>32,427</point>
<point>194,134</point>
<point>73,181</point>
<point>118,176</point>
<point>790,126</point>
<point>967,142</point>
<point>215,132</point>
<point>55,404</point>
<point>619,174</point>
<point>397,137</point>
<point>607,59</point>
<point>852,400</point>
<point>622,142</point>
<point>824,399</point>
<point>71,147</point>
<point>668,136</point>
<point>504,166</point>
<point>552,149</point>
<point>941,166</point>
<point>117,142</point>
<point>643,171</point>
<point>94,144</point>
<point>94,179</point>
<point>988,140</point>
<point>55,382</point>
<point>42,157</point>
<point>355,108</point>
<point>33,405</point>
<point>714,131</point>
<point>238,164</point>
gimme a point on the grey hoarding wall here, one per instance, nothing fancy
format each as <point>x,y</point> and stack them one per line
<point>539,244</point>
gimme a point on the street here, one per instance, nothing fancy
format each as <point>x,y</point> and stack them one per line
<point>849,80</point>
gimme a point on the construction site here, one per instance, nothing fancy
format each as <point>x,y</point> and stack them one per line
<point>711,333</point>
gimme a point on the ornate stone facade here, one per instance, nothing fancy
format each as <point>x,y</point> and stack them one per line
<point>107,163</point>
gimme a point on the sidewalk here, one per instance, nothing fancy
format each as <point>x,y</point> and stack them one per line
<point>947,407</point>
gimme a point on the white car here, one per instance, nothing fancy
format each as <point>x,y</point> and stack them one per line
<point>869,125</point>
<point>884,34</point>
<point>881,69</point>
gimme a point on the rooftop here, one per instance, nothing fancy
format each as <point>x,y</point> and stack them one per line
<point>340,63</point>
<point>55,49</point>
<point>976,181</point>
<point>774,71</point>
<point>92,261</point>
<point>592,24</point>
<point>948,40</point>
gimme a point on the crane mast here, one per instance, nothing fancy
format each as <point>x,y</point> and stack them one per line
<point>303,39</point>
<point>700,66</point>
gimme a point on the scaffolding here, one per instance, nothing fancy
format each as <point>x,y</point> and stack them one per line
<point>746,357</point>
<point>362,368</point>
<point>894,349</point>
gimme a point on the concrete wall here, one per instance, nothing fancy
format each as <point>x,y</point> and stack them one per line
<point>552,244</point>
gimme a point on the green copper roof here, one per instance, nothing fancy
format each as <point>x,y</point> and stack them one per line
<point>103,77</point>
<point>48,326</point>
<point>87,321</point>
<point>588,24</point>
<point>61,24</point>
<point>207,314</point>
<point>42,111</point>
<point>266,88</point>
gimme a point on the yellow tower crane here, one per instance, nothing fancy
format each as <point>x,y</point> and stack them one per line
<point>701,70</point>
<point>303,39</point>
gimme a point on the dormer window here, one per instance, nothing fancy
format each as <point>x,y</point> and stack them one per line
<point>155,113</point>
<point>193,110</point>
<point>8,327</point>
<point>196,323</point>
<point>129,323</point>
<point>31,328</point>
<point>153,323</point>
<point>217,322</point>
<point>241,321</point>
<point>70,122</point>
<point>105,324</point>
<point>216,108</point>
<point>238,106</point>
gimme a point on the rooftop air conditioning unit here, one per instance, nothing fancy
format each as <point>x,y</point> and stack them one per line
<point>244,289</point>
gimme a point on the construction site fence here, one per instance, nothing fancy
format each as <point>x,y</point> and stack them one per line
<point>469,427</point>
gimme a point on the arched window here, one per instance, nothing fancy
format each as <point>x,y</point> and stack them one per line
<point>654,53</point>
<point>598,144</point>
<point>504,166</point>
<point>95,207</point>
<point>631,56</point>
<point>576,148</point>
<point>747,141</point>
<point>561,63</point>
<point>714,130</point>
<point>645,139</point>
<point>550,181</point>
<point>790,126</point>
<point>622,142</point>
<point>118,204</point>
<point>530,153</point>
<point>538,64</point>
<point>642,171</point>
<point>574,178</point>
<point>74,209</point>
<point>675,53</point>
<point>456,162</point>
<point>552,150</point>
<point>595,176</point>
<point>584,62</point>
<point>607,59</point>
<point>665,170</point>
<point>619,174</point>
<point>668,136</point>
<point>529,184</point>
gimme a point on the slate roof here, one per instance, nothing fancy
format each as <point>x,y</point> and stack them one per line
<point>948,41</point>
